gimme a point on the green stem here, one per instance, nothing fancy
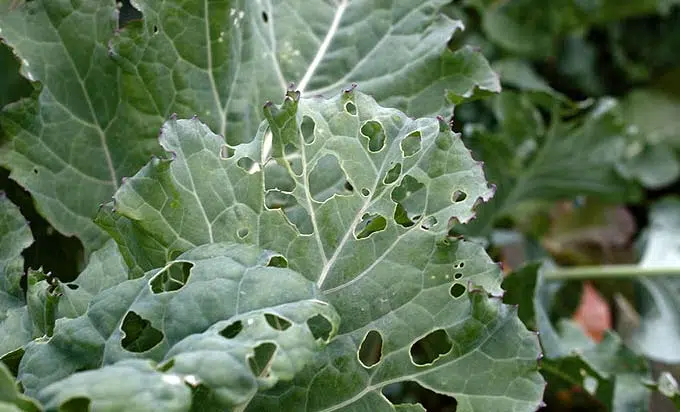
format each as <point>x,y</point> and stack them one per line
<point>609,272</point>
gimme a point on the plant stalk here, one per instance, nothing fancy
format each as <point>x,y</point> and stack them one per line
<point>610,272</point>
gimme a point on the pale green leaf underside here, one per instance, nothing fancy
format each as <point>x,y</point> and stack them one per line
<point>200,328</point>
<point>96,117</point>
<point>395,279</point>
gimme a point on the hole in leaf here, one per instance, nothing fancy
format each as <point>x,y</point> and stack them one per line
<point>307,129</point>
<point>261,360</point>
<point>140,336</point>
<point>375,134</point>
<point>370,223</point>
<point>460,265</point>
<point>328,179</point>
<point>458,196</point>
<point>78,404</point>
<point>410,145</point>
<point>265,17</point>
<point>246,163</point>
<point>276,322</point>
<point>127,13</point>
<point>351,108</point>
<point>410,199</point>
<point>232,330</point>
<point>277,261</point>
<point>457,275</point>
<point>392,174</point>
<point>405,392</point>
<point>320,327</point>
<point>429,223</point>
<point>426,350</point>
<point>35,171</point>
<point>401,216</point>
<point>72,286</point>
<point>297,215</point>
<point>174,254</point>
<point>155,29</point>
<point>457,289</point>
<point>172,278</point>
<point>226,152</point>
<point>370,350</point>
<point>365,192</point>
<point>242,232</point>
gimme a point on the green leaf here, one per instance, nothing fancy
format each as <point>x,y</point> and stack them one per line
<point>608,371</point>
<point>653,158</point>
<point>658,335</point>
<point>369,227</point>
<point>530,162</point>
<point>212,310</point>
<point>15,236</point>
<point>11,399</point>
<point>112,88</point>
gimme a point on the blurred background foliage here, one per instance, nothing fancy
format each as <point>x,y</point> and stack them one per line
<point>583,145</point>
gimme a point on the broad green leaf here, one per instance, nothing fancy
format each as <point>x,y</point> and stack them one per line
<point>533,28</point>
<point>11,399</point>
<point>654,158</point>
<point>216,308</point>
<point>105,269</point>
<point>658,335</point>
<point>374,193</point>
<point>531,162</point>
<point>609,371</point>
<point>104,92</point>
<point>15,236</point>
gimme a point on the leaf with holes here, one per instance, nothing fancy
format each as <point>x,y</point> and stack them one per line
<point>365,204</point>
<point>227,320</point>
<point>104,91</point>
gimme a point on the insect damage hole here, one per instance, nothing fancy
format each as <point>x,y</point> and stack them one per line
<point>278,261</point>
<point>242,232</point>
<point>429,348</point>
<point>370,224</point>
<point>260,360</point>
<point>351,108</point>
<point>458,196</point>
<point>429,399</point>
<point>265,17</point>
<point>411,144</point>
<point>370,350</point>
<point>375,134</point>
<point>232,330</point>
<point>327,179</point>
<point>392,174</point>
<point>307,129</point>
<point>276,322</point>
<point>457,289</point>
<point>172,278</point>
<point>140,336</point>
<point>320,327</point>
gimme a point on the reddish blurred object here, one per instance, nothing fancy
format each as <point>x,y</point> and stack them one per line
<point>593,314</point>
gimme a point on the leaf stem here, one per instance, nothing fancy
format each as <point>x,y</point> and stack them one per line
<point>610,271</point>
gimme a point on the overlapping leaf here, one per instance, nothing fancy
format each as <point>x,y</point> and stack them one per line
<point>96,117</point>
<point>608,371</point>
<point>531,162</point>
<point>15,236</point>
<point>222,317</point>
<point>373,193</point>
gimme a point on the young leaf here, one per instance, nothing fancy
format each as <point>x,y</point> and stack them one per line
<point>103,95</point>
<point>401,280</point>
<point>202,316</point>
